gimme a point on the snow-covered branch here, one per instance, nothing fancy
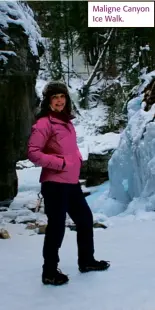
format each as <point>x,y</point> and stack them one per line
<point>105,45</point>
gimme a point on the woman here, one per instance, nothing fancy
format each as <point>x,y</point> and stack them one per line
<point>52,145</point>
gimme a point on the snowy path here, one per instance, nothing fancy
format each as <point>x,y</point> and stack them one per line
<point>128,285</point>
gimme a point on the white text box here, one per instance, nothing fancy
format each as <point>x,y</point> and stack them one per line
<point>120,14</point>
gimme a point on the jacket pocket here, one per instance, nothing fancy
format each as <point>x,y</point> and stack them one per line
<point>70,162</point>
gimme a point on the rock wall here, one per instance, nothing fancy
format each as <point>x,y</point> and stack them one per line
<point>95,169</point>
<point>20,49</point>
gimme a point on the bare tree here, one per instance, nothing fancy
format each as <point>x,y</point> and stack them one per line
<point>85,89</point>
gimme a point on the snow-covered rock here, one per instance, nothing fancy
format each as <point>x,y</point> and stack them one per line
<point>21,47</point>
<point>26,219</point>
<point>19,14</point>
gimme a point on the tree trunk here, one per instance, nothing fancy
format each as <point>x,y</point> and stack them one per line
<point>85,89</point>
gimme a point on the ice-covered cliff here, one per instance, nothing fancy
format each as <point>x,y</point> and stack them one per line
<point>132,166</point>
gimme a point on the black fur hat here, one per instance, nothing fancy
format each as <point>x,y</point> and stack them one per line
<point>54,88</point>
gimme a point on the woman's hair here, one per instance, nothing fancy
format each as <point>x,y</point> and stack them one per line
<point>54,88</point>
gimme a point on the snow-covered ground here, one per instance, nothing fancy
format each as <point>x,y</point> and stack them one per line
<point>127,285</point>
<point>29,187</point>
<point>128,243</point>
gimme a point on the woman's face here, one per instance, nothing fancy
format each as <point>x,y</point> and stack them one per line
<point>57,102</point>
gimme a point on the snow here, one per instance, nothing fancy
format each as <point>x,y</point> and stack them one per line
<point>127,243</point>
<point>10,53</point>
<point>18,13</point>
<point>96,144</point>
<point>91,142</point>
<point>24,164</point>
<point>40,84</point>
<point>4,59</point>
<point>145,79</point>
<point>104,143</point>
<point>127,285</point>
<point>134,66</point>
<point>4,55</point>
<point>146,47</point>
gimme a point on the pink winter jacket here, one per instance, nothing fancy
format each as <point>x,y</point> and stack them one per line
<point>52,140</point>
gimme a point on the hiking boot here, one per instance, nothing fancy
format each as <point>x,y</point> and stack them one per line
<point>57,278</point>
<point>94,265</point>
